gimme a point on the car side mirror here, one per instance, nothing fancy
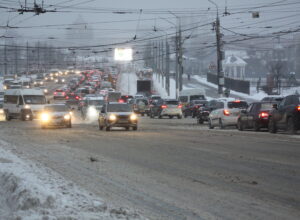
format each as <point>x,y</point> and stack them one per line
<point>275,106</point>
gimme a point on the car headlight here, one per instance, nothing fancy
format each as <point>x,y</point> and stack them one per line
<point>133,117</point>
<point>4,87</point>
<point>45,90</point>
<point>41,83</point>
<point>27,107</point>
<point>67,117</point>
<point>112,117</point>
<point>45,117</point>
<point>56,80</point>
<point>1,111</point>
<point>63,80</point>
<point>92,112</point>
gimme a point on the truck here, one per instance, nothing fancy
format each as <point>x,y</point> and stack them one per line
<point>144,87</point>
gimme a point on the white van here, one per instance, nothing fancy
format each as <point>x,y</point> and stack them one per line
<point>24,104</point>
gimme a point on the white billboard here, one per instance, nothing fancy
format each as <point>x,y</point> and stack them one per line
<point>123,54</point>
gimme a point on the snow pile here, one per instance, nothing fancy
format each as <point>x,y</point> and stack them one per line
<point>29,191</point>
<point>160,86</point>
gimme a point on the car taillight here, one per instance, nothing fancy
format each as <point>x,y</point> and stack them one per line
<point>63,93</point>
<point>179,106</point>
<point>263,115</point>
<point>298,108</point>
<point>55,93</point>
<point>67,97</point>
<point>226,112</point>
<point>121,101</point>
<point>164,106</point>
<point>77,97</point>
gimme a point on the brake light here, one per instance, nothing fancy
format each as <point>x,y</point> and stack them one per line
<point>77,97</point>
<point>298,108</point>
<point>179,106</point>
<point>237,101</point>
<point>121,101</point>
<point>263,115</point>
<point>55,93</point>
<point>226,112</point>
<point>63,93</point>
<point>164,106</point>
<point>67,97</point>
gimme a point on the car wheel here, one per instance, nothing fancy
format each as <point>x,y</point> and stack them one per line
<point>179,116</point>
<point>170,116</point>
<point>107,128</point>
<point>159,116</point>
<point>200,121</point>
<point>151,115</point>
<point>100,127</point>
<point>256,126</point>
<point>240,125</point>
<point>291,129</point>
<point>127,128</point>
<point>210,126</point>
<point>221,125</point>
<point>272,126</point>
<point>69,125</point>
<point>185,115</point>
<point>7,117</point>
<point>135,128</point>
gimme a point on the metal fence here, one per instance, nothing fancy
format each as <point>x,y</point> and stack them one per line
<point>232,84</point>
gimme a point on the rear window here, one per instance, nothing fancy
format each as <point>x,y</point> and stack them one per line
<point>172,102</point>
<point>183,98</point>
<point>197,97</point>
<point>266,106</point>
<point>237,105</point>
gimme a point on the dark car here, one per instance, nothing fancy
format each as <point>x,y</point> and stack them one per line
<point>59,94</point>
<point>192,107</point>
<point>72,99</point>
<point>204,111</point>
<point>115,114</point>
<point>272,99</point>
<point>255,117</point>
<point>56,115</point>
<point>125,98</point>
<point>141,106</point>
<point>286,115</point>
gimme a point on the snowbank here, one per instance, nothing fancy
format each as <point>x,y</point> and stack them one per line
<point>159,86</point>
<point>254,95</point>
<point>29,191</point>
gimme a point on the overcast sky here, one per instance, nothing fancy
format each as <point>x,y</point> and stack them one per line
<point>155,13</point>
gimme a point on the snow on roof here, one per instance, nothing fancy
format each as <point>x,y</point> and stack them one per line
<point>234,61</point>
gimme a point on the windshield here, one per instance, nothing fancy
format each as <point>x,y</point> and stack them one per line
<point>237,105</point>
<point>183,98</point>
<point>96,102</point>
<point>56,108</point>
<point>35,99</point>
<point>118,108</point>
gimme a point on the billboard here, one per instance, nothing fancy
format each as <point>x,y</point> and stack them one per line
<point>123,54</point>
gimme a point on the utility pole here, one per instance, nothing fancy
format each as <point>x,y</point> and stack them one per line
<point>38,55</point>
<point>176,65</point>
<point>5,59</point>
<point>220,72</point>
<point>162,64</point>
<point>27,60</point>
<point>180,58</point>
<point>16,60</point>
<point>167,66</point>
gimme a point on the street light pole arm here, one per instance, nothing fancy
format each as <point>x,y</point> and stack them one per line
<point>215,5</point>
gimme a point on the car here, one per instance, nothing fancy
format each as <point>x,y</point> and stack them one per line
<point>256,116</point>
<point>167,107</point>
<point>38,82</point>
<point>227,113</point>
<point>56,115</point>
<point>60,80</point>
<point>141,106</point>
<point>91,107</point>
<point>272,99</point>
<point>115,114</point>
<point>59,94</point>
<point>204,111</point>
<point>125,98</point>
<point>192,107</point>
<point>286,115</point>
<point>154,98</point>
<point>44,89</point>
<point>72,98</point>
<point>2,113</point>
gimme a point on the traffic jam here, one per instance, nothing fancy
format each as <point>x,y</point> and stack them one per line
<point>93,95</point>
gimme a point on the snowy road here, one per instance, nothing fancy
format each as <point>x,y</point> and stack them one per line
<point>171,169</point>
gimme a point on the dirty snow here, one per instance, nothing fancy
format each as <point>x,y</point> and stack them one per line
<point>29,191</point>
<point>159,86</point>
